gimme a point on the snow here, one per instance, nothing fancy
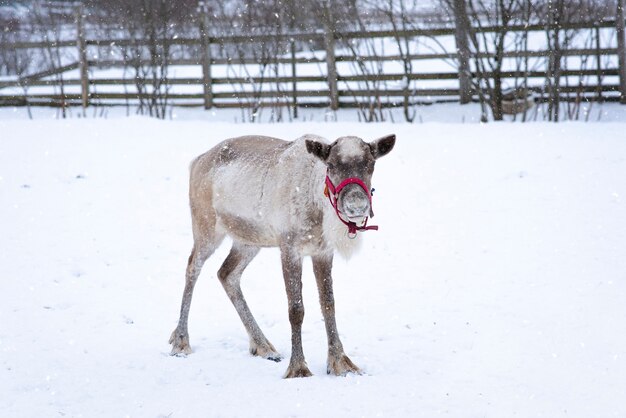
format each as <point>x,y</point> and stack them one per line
<point>494,287</point>
<point>435,112</point>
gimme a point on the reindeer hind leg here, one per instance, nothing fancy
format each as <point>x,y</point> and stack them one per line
<point>206,240</point>
<point>230,276</point>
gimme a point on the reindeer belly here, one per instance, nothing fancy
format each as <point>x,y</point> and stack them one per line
<point>262,193</point>
<point>247,230</point>
<point>244,207</point>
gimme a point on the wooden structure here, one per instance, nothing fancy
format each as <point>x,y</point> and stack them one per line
<point>331,88</point>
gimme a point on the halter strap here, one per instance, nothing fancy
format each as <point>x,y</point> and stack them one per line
<point>332,193</point>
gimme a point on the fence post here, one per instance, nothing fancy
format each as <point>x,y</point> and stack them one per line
<point>621,48</point>
<point>206,60</point>
<point>329,43</point>
<point>83,65</point>
<point>294,84</point>
<point>462,49</point>
<point>598,65</point>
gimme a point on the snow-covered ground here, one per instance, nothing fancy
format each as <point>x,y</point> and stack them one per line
<point>437,112</point>
<point>495,286</point>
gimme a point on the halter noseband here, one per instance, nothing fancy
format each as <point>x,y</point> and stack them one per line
<point>333,192</point>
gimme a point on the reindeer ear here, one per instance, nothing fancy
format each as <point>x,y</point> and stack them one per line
<point>319,149</point>
<point>382,146</point>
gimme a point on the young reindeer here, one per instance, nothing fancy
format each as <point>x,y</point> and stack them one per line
<point>306,197</point>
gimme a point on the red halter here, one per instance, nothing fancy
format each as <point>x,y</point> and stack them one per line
<point>333,192</point>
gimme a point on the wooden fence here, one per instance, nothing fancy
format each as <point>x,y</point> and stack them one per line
<point>332,88</point>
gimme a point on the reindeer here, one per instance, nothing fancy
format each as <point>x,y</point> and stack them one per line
<point>307,198</point>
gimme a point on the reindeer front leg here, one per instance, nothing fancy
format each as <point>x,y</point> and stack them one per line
<point>292,272</point>
<point>338,363</point>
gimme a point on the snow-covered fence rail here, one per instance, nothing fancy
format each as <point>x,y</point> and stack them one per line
<point>347,69</point>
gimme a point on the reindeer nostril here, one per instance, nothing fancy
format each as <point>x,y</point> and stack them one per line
<point>355,202</point>
<point>356,208</point>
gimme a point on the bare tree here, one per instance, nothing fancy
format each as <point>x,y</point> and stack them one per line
<point>48,20</point>
<point>250,64</point>
<point>10,32</point>
<point>16,61</point>
<point>400,20</point>
<point>560,18</point>
<point>149,26</point>
<point>488,49</point>
<point>521,101</point>
<point>365,69</point>
<point>484,36</point>
<point>555,18</point>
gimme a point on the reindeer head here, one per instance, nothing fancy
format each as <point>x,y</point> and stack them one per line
<point>350,158</point>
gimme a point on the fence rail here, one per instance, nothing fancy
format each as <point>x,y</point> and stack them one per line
<point>331,87</point>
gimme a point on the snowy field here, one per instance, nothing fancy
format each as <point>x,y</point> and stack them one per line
<point>495,287</point>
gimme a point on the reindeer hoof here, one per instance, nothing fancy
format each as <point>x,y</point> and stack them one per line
<point>266,351</point>
<point>180,344</point>
<point>297,370</point>
<point>341,365</point>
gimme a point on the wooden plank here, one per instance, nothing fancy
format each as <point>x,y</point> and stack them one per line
<point>199,81</point>
<point>122,42</point>
<point>509,54</point>
<point>131,81</point>
<point>33,79</point>
<point>16,83</point>
<point>564,52</point>
<point>272,94</point>
<point>413,33</point>
<point>270,81</point>
<point>299,79</point>
<point>169,81</point>
<point>52,71</point>
<point>318,36</point>
<point>398,93</point>
<point>376,58</point>
<point>566,73</point>
<point>72,97</point>
<point>214,61</point>
<point>489,74</point>
<point>398,77</point>
<point>350,58</point>
<point>585,89</point>
<point>285,37</point>
<point>234,39</point>
<point>222,95</point>
<point>38,44</point>
<point>108,63</point>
